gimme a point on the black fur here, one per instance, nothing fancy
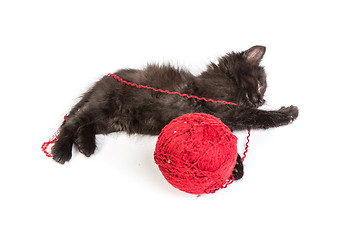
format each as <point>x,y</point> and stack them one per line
<point>110,106</point>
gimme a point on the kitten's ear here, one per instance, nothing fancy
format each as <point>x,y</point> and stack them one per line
<point>254,54</point>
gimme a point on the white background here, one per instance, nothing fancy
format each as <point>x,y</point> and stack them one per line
<point>301,181</point>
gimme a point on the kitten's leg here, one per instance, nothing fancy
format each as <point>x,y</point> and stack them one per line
<point>63,145</point>
<point>255,118</point>
<point>238,171</point>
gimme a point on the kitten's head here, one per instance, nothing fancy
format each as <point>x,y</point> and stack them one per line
<point>248,76</point>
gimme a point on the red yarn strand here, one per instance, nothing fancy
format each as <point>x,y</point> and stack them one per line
<point>168,92</point>
<point>246,146</point>
<point>45,145</point>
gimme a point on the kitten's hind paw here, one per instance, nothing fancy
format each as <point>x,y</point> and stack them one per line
<point>62,151</point>
<point>86,148</point>
<point>85,142</point>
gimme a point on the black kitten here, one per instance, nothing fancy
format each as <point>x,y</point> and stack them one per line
<point>110,106</point>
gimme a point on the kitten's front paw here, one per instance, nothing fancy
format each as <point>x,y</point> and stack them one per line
<point>290,113</point>
<point>62,151</point>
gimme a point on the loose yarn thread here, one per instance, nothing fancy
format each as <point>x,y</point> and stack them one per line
<point>168,92</point>
<point>45,145</point>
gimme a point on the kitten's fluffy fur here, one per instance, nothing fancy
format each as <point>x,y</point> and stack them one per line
<point>110,106</point>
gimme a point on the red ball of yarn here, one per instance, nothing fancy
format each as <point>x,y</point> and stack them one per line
<point>196,153</point>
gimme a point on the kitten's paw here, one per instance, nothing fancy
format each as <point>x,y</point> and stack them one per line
<point>238,171</point>
<point>291,113</point>
<point>62,151</point>
<point>85,142</point>
<point>86,149</point>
